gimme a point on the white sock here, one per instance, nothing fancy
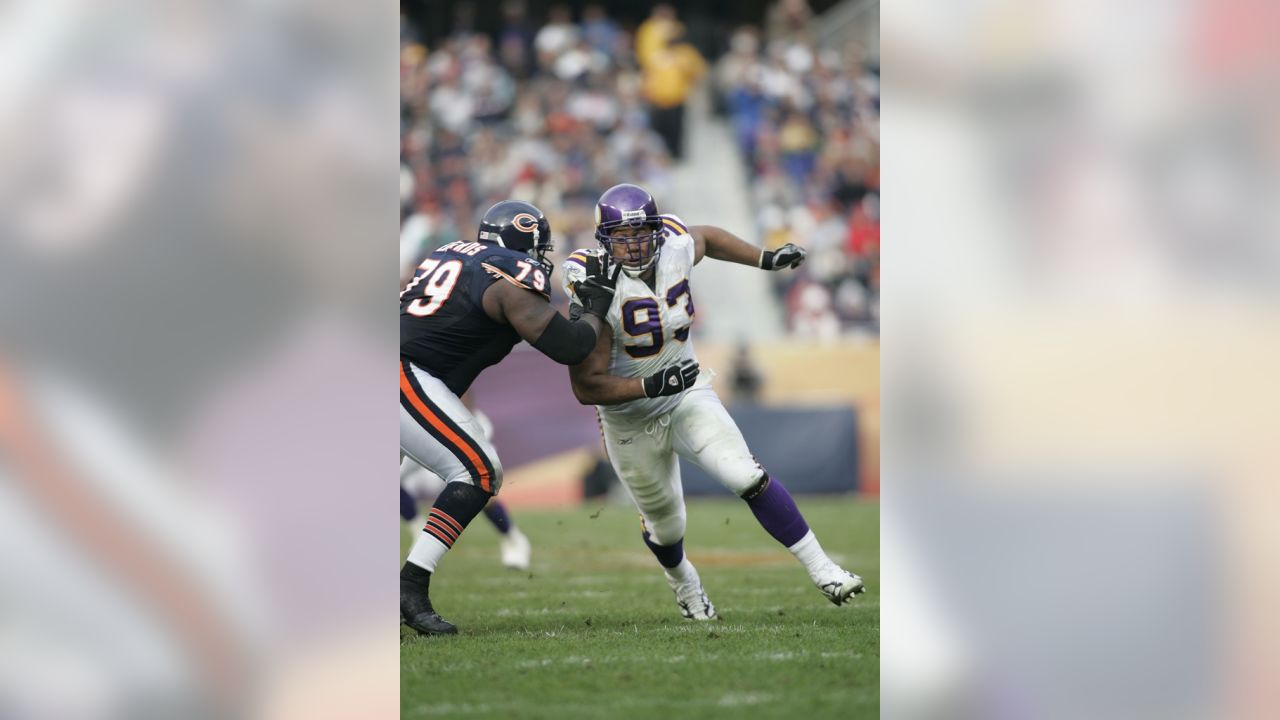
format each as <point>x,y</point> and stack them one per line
<point>810,553</point>
<point>427,551</point>
<point>682,573</point>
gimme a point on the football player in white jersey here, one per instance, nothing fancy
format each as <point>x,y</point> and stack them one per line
<point>645,351</point>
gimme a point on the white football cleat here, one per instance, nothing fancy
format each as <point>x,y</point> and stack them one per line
<point>516,550</point>
<point>692,600</point>
<point>838,584</point>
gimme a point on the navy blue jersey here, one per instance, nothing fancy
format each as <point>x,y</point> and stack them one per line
<point>443,326</point>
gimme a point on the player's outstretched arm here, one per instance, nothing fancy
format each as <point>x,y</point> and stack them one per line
<point>593,385</point>
<point>534,319</point>
<point>720,244</point>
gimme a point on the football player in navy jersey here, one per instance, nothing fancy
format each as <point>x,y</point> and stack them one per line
<point>467,306</point>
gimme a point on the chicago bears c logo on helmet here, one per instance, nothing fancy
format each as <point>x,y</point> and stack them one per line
<point>525,222</point>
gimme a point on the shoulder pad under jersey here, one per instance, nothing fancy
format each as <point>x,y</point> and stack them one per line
<point>574,268</point>
<point>674,225</point>
<point>517,269</point>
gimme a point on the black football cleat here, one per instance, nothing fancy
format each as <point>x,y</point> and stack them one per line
<point>429,623</point>
<point>415,604</point>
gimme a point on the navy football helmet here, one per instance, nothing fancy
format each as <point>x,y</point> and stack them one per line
<point>518,225</point>
<point>629,206</point>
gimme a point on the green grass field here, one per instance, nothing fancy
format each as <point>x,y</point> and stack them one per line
<point>593,631</point>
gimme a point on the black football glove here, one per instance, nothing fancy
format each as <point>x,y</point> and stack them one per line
<point>671,380</point>
<point>787,256</point>
<point>595,292</point>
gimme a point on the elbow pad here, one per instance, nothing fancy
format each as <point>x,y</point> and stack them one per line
<point>568,343</point>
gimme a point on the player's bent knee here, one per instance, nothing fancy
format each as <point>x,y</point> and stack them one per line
<point>667,529</point>
<point>738,473</point>
<point>755,486</point>
<point>495,483</point>
<point>489,482</point>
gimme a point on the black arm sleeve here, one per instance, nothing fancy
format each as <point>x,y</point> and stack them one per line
<point>568,343</point>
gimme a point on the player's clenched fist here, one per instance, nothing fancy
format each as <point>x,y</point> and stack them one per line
<point>787,256</point>
<point>672,380</point>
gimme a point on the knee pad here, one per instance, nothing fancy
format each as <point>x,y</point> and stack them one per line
<point>666,528</point>
<point>736,469</point>
<point>745,479</point>
<point>497,476</point>
<point>472,477</point>
<point>756,487</point>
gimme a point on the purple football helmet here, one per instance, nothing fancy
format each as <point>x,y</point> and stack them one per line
<point>629,206</point>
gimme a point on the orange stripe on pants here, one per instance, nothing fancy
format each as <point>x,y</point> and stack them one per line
<point>407,389</point>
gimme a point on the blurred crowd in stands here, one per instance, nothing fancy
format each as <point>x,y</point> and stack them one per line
<point>556,110</point>
<point>806,120</point>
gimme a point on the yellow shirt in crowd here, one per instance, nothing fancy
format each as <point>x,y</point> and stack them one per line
<point>670,74</point>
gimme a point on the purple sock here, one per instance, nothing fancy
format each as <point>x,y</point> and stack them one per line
<point>668,556</point>
<point>408,508</point>
<point>776,511</point>
<point>497,514</point>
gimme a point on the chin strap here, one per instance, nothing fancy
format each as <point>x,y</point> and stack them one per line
<point>635,273</point>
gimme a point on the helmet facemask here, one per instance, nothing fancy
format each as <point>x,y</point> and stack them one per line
<point>635,253</point>
<point>540,249</point>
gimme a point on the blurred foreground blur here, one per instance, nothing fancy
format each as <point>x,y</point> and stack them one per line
<point>192,415</point>
<point>1080,343</point>
<point>1079,319</point>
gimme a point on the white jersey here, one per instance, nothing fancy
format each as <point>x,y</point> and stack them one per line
<point>650,325</point>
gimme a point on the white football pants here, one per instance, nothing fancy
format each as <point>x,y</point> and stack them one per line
<point>439,433</point>
<point>644,455</point>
